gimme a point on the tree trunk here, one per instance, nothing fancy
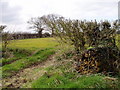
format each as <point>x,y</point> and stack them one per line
<point>40,34</point>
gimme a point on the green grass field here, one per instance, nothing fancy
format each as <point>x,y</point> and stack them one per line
<point>60,81</point>
<point>33,44</point>
<point>11,69</point>
<point>33,51</point>
<point>23,49</point>
<point>63,76</point>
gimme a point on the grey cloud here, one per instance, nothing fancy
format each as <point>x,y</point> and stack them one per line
<point>96,10</point>
<point>10,15</point>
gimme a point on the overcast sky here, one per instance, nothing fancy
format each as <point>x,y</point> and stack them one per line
<point>16,13</point>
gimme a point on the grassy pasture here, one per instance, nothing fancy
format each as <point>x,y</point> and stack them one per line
<point>25,48</point>
<point>59,76</point>
<point>33,44</point>
<point>60,81</point>
<point>10,69</point>
<point>63,76</point>
<point>22,49</point>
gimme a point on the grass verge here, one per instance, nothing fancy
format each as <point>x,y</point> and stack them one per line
<point>16,55</point>
<point>63,75</point>
<point>60,81</point>
<point>10,69</point>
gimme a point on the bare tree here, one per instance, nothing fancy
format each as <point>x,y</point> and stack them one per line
<point>70,31</point>
<point>79,33</point>
<point>37,24</point>
<point>6,38</point>
<point>51,21</point>
<point>67,30</point>
<point>2,27</point>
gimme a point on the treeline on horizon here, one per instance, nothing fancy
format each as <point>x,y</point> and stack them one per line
<point>50,23</point>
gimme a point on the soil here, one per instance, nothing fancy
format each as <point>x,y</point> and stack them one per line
<point>25,77</point>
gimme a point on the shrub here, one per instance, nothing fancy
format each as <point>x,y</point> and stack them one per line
<point>101,59</point>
